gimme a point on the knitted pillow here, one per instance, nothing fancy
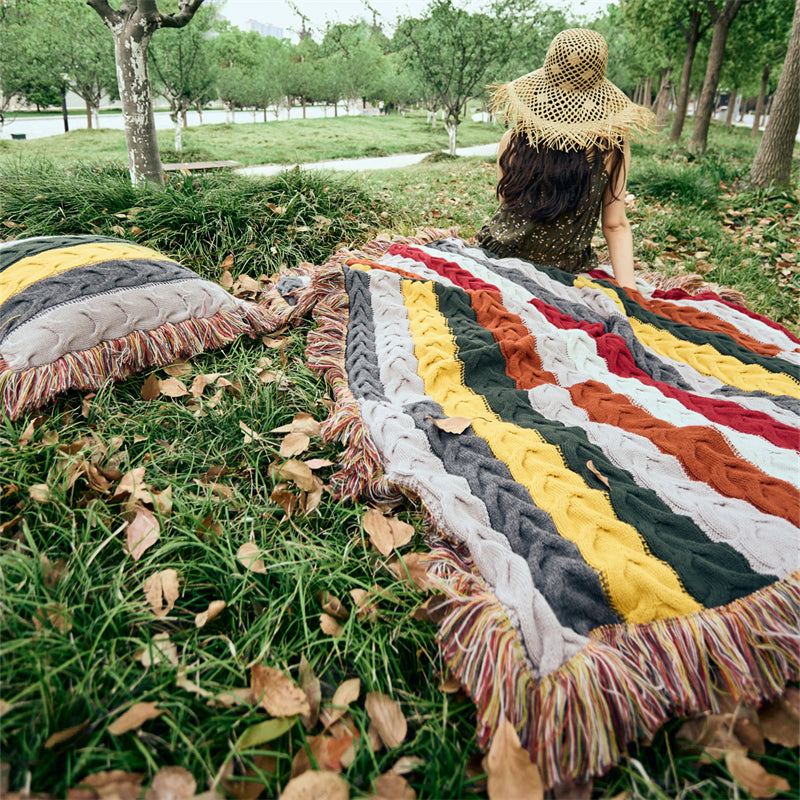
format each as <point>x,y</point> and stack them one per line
<point>76,311</point>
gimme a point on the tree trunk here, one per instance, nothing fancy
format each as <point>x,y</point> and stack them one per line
<point>96,112</point>
<point>184,121</point>
<point>131,41</point>
<point>662,97</point>
<point>88,114</point>
<point>178,137</point>
<point>64,113</point>
<point>336,109</point>
<point>705,104</point>
<point>773,161</point>
<point>762,93</point>
<point>731,103</point>
<point>451,127</point>
<point>304,107</point>
<point>648,92</point>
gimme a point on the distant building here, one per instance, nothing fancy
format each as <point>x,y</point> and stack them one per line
<point>263,29</point>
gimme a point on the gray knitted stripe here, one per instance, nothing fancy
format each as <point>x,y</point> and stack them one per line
<point>411,462</point>
<point>613,323</point>
<point>768,543</point>
<point>84,323</point>
<point>361,363</point>
<point>572,358</point>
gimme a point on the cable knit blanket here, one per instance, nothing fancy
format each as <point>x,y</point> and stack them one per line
<point>615,530</point>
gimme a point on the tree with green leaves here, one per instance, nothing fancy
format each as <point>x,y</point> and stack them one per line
<point>454,51</point>
<point>773,161</point>
<point>181,63</point>
<point>132,26</point>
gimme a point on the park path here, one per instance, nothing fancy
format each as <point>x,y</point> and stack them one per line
<point>360,164</point>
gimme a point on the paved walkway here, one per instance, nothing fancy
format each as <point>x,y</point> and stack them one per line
<point>360,164</point>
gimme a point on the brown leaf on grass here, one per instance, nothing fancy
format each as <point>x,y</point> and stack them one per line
<point>40,493</point>
<point>780,719</point>
<point>713,734</point>
<point>182,681</point>
<point>284,498</point>
<point>132,483</point>
<point>301,423</point>
<point>310,501</point>
<point>160,650</point>
<point>250,435</point>
<point>109,785</point>
<point>432,610</point>
<point>753,777</point>
<point>162,501</point>
<point>391,786</point>
<point>380,533</point>
<point>333,606</point>
<point>27,434</point>
<point>346,693</point>
<point>226,280</point>
<point>387,717</point>
<point>512,774</point>
<point>575,791</point>
<point>178,369</point>
<point>161,591</point>
<point>597,473</point>
<point>314,785</point>
<point>201,382</point>
<point>310,684</point>
<point>240,696</point>
<point>316,747</point>
<point>293,444</point>
<point>172,783</point>
<point>250,784</point>
<point>218,490</point>
<point>274,341</point>
<point>52,573</point>
<point>208,526</point>
<point>248,555</point>
<point>277,694</point>
<point>406,764</point>
<point>452,424</point>
<point>141,533</point>
<point>134,718</point>
<point>172,387</point>
<point>450,685</point>
<point>402,532</point>
<point>329,626</point>
<point>227,262</point>
<point>65,735</point>
<point>413,567</point>
<point>151,388</point>
<point>298,473</point>
<point>245,286</point>
<point>215,608</point>
<point>53,615</point>
<point>318,463</point>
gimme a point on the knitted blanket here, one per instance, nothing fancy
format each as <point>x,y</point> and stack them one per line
<point>616,527</point>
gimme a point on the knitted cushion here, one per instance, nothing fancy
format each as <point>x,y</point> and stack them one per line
<point>76,311</point>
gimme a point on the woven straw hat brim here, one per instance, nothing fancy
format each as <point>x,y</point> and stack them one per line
<point>569,120</point>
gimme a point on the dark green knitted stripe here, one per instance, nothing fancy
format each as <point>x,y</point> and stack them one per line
<point>25,248</point>
<point>714,573</point>
<point>718,340</point>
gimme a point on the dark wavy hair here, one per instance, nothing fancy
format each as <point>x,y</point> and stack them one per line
<point>542,184</point>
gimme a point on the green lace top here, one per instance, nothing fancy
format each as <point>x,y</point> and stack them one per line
<point>565,242</point>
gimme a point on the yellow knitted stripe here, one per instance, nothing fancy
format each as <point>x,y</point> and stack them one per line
<point>639,586</point>
<point>704,358</point>
<point>28,271</point>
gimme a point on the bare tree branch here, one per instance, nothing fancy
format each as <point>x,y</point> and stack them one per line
<point>107,14</point>
<point>186,11</point>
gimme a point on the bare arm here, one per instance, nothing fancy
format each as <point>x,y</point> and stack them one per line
<point>617,229</point>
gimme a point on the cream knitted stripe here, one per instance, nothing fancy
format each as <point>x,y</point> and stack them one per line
<point>571,355</point>
<point>768,543</point>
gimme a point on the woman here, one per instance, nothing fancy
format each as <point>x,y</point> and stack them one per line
<point>565,160</point>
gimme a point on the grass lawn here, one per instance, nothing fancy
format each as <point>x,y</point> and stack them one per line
<point>81,643</point>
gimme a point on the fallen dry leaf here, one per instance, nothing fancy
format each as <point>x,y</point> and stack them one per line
<point>40,493</point>
<point>276,693</point>
<point>512,774</point>
<point>318,463</point>
<point>172,783</point>
<point>406,764</point>
<point>387,717</point>
<point>366,607</point>
<point>65,734</point>
<point>378,530</point>
<point>134,718</point>
<point>249,434</point>
<point>298,473</point>
<point>293,444</point>
<point>402,532</point>
<point>150,387</point>
<point>172,387</point>
<point>215,608</point>
<point>597,473</point>
<point>413,567</point>
<point>346,693</point>
<point>160,650</point>
<point>391,786</point>
<point>333,606</point>
<point>178,369</point>
<point>284,498</point>
<point>753,776</point>
<point>54,615</point>
<point>780,720</point>
<point>316,786</point>
<point>141,533</point>
<point>310,684</point>
<point>109,785</point>
<point>246,788</point>
<point>161,590</point>
<point>301,423</point>
<point>452,424</point>
<point>248,555</point>
<point>329,626</point>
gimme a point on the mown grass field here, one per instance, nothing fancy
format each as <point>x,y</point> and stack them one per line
<point>80,640</point>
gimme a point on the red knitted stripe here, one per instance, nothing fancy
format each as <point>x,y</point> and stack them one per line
<point>385,267</point>
<point>703,452</point>
<point>679,294</point>
<point>448,269</point>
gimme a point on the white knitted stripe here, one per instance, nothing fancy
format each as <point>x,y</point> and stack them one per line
<point>571,355</point>
<point>768,543</point>
<point>410,462</point>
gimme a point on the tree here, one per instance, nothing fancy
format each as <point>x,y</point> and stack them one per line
<point>133,26</point>
<point>454,51</point>
<point>773,161</point>
<point>721,17</point>
<point>181,64</point>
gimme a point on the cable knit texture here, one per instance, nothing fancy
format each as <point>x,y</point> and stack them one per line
<point>615,532</point>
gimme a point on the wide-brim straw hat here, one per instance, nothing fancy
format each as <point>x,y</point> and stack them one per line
<point>569,104</point>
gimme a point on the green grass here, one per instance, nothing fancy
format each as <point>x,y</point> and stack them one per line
<point>282,142</point>
<point>52,680</point>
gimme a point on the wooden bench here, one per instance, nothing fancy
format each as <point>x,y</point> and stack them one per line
<point>199,166</point>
